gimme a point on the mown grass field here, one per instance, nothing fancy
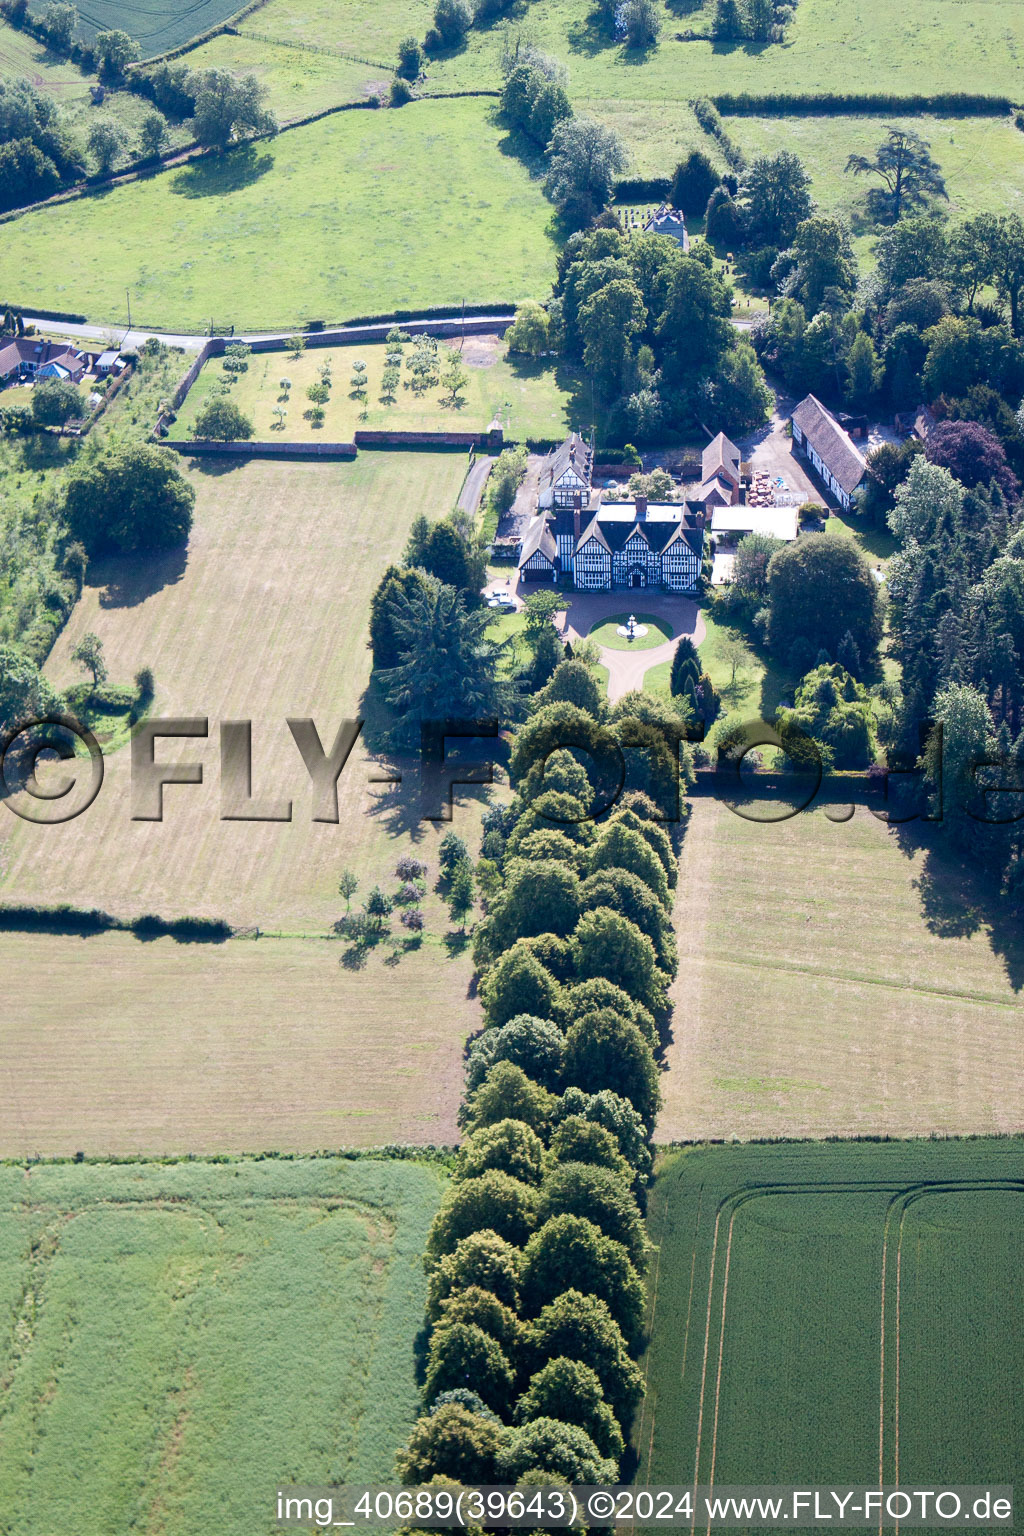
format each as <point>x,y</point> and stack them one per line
<point>264,616</point>
<point>838,978</point>
<point>115,1046</point>
<point>363,212</point>
<point>533,399</point>
<point>181,1339</point>
<point>823,1314</point>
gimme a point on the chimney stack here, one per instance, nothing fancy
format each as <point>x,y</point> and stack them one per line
<point>577,514</point>
<point>641,508</point>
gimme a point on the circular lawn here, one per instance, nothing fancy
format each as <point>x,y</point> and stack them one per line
<point>607,632</point>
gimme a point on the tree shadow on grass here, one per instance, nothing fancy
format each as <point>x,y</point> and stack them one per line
<point>216,464</point>
<point>591,35</point>
<point>217,175</point>
<point>959,900</point>
<point>124,581</point>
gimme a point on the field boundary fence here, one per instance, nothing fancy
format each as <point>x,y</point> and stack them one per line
<point>331,53</point>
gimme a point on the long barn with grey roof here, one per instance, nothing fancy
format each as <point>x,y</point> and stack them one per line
<point>831,452</point>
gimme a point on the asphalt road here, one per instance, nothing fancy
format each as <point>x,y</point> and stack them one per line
<point>122,337</point>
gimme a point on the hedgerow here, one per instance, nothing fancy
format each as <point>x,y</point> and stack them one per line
<point>537,1255</point>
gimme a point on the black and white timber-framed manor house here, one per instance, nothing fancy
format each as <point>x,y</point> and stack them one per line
<point>579,541</point>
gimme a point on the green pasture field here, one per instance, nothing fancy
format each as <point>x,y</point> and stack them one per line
<point>359,213</point>
<point>299,82</point>
<point>534,400</point>
<point>181,1339</point>
<point>838,978</point>
<point>835,1314</point>
<point>158,25</point>
<point>918,47</point>
<point>982,160</point>
<point>371,29</point>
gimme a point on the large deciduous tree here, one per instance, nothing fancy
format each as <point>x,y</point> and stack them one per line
<point>584,158</point>
<point>973,454</point>
<point>777,193</point>
<point>910,177</point>
<point>229,108</point>
<point>132,499</point>
<point>818,588</point>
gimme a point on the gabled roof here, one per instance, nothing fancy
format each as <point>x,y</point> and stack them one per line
<point>594,530</point>
<point>668,221</point>
<point>573,454</point>
<point>720,457</point>
<point>690,534</point>
<point>834,447</point>
<point>717,487</point>
<point>538,540</point>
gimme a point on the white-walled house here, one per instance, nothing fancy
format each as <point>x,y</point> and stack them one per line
<point>830,451</point>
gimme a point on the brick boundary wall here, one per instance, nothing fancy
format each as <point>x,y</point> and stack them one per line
<point>493,441</point>
<point>262,450</point>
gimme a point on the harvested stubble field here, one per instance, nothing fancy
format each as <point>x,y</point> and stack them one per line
<point>218,1048</point>
<point>832,983</point>
<point>535,400</point>
<point>215,1047</point>
<point>823,1312</point>
<point>359,213</point>
<point>185,1336</point>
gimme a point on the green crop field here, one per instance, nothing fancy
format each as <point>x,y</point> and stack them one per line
<point>838,978</point>
<point>363,212</point>
<point>158,25</point>
<point>835,1314</point>
<point>533,399</point>
<point>180,1340</point>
